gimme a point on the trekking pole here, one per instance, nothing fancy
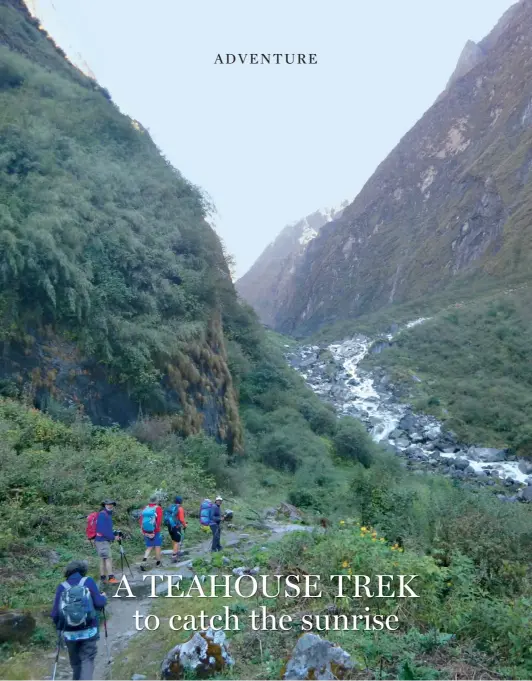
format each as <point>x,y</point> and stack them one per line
<point>57,655</point>
<point>123,558</point>
<point>106,637</point>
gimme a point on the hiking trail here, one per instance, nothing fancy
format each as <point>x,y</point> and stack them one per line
<point>120,611</point>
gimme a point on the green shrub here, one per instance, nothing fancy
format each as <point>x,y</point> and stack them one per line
<point>352,442</point>
<point>302,497</point>
<point>322,418</point>
<point>280,450</point>
<point>11,72</point>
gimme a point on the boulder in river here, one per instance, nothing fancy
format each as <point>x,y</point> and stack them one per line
<point>203,655</point>
<point>432,432</point>
<point>486,454</point>
<point>408,423</point>
<point>16,626</point>
<point>461,464</point>
<point>525,467</point>
<point>446,447</point>
<point>315,658</point>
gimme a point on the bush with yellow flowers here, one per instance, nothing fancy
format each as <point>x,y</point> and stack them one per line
<point>360,550</point>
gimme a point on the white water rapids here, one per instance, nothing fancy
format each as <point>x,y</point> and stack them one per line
<point>353,392</point>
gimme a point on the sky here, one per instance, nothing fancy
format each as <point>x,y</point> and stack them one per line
<point>270,144</point>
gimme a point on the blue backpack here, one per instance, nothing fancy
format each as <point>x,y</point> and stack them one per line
<point>149,518</point>
<point>76,609</point>
<point>205,512</point>
<point>170,517</point>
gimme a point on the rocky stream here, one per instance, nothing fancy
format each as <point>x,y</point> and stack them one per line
<point>420,440</point>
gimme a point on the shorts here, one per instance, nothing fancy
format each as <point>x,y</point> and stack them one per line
<point>103,549</point>
<point>156,540</point>
<point>175,534</point>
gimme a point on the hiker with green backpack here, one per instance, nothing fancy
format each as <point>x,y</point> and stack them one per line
<point>174,519</point>
<point>74,613</point>
<point>150,521</point>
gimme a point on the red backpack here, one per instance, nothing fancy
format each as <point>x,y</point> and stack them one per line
<point>90,531</point>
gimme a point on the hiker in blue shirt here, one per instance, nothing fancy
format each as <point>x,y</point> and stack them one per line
<point>104,538</point>
<point>76,619</point>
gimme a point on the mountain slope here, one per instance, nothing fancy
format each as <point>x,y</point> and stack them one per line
<point>114,288</point>
<point>450,205</point>
<point>264,282</point>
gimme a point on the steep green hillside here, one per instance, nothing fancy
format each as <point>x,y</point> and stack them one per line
<point>115,289</point>
<point>473,369</point>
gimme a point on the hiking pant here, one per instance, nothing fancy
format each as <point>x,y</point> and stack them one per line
<point>82,654</point>
<point>216,531</point>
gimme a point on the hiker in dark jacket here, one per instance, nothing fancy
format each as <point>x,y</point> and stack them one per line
<point>215,524</point>
<point>81,643</point>
<point>103,540</point>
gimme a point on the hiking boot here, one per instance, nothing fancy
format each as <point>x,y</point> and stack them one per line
<point>113,580</point>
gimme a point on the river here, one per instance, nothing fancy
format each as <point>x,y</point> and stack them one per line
<point>417,437</point>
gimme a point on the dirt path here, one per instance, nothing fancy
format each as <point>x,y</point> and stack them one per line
<point>121,611</point>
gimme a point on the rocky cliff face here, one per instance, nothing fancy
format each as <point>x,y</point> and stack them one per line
<point>263,284</point>
<point>452,202</point>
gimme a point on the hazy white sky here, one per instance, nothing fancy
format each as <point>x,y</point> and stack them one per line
<point>271,144</point>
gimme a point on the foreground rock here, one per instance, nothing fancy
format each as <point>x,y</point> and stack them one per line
<point>316,658</point>
<point>525,494</point>
<point>16,626</point>
<point>202,656</point>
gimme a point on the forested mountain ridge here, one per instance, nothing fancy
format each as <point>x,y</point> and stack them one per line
<point>115,293</point>
<point>450,204</point>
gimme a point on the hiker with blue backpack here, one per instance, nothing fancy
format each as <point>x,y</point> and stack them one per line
<point>174,519</point>
<point>151,519</point>
<point>74,613</point>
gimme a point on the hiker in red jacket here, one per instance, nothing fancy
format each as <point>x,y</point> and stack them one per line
<point>150,522</point>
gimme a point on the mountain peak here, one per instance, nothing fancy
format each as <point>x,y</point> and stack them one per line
<point>471,55</point>
<point>261,284</point>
